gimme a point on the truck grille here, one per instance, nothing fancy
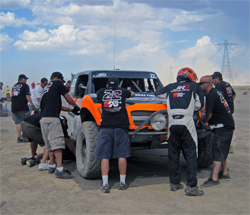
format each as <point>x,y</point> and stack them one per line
<point>140,116</point>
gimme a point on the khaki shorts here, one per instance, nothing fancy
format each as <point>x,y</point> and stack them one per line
<point>52,133</point>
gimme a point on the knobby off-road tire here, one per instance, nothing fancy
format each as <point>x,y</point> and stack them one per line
<point>205,158</point>
<point>87,164</point>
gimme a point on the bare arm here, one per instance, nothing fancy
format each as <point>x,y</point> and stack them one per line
<point>69,100</point>
<point>132,94</point>
<point>207,117</point>
<point>29,99</point>
<point>234,96</point>
<point>65,108</point>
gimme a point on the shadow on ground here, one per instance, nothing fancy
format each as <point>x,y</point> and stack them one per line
<point>145,167</point>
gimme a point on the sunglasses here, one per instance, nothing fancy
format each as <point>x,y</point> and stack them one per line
<point>200,83</point>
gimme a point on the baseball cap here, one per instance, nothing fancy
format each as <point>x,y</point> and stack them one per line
<point>57,75</point>
<point>33,84</point>
<point>22,76</point>
<point>113,81</point>
<point>217,75</point>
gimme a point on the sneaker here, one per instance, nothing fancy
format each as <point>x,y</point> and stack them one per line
<point>122,186</point>
<point>225,177</point>
<point>193,191</point>
<point>43,166</point>
<point>51,170</point>
<point>174,187</point>
<point>19,140</point>
<point>65,174</point>
<point>24,138</point>
<point>210,183</point>
<point>24,160</point>
<point>105,188</point>
<point>31,162</point>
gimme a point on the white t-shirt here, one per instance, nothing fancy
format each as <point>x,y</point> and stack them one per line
<point>37,94</point>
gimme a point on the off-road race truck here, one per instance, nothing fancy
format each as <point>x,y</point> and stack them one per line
<point>147,116</point>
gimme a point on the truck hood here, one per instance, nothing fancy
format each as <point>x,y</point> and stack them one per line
<point>140,98</point>
<point>145,98</point>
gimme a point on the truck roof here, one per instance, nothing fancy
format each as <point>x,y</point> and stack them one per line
<point>119,73</point>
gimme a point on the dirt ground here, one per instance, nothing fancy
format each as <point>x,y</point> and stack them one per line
<point>26,190</point>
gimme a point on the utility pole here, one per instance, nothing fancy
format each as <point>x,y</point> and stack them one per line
<point>226,69</point>
<point>114,43</point>
<point>171,79</point>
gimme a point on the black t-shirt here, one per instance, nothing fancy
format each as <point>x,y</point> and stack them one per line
<point>228,93</point>
<point>19,100</point>
<point>51,99</point>
<point>114,112</point>
<point>35,118</point>
<point>218,106</point>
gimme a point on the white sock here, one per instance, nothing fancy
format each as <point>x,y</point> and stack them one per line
<point>52,166</point>
<point>60,169</point>
<point>105,179</point>
<point>123,178</point>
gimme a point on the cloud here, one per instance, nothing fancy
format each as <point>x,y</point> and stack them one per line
<point>9,19</point>
<point>5,42</point>
<point>198,57</point>
<point>65,39</point>
<point>130,15</point>
<point>14,4</point>
<point>142,50</point>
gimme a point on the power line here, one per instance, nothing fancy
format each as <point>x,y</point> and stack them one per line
<point>209,59</point>
<point>214,65</point>
<point>241,53</point>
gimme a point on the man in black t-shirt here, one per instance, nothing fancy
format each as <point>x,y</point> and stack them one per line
<point>20,110</point>
<point>113,140</point>
<point>225,88</point>
<point>218,113</point>
<point>227,91</point>
<point>52,132</point>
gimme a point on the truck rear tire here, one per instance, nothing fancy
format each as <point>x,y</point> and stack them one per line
<point>87,164</point>
<point>205,158</point>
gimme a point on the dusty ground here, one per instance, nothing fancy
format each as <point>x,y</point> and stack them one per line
<point>28,191</point>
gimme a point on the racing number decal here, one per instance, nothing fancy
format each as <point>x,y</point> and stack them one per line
<point>152,75</point>
<point>112,100</point>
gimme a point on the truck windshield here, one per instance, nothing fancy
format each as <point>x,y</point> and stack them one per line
<point>134,84</point>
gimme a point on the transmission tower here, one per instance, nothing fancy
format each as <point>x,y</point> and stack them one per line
<point>226,70</point>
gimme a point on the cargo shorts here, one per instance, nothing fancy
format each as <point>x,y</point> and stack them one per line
<point>19,116</point>
<point>52,133</point>
<point>32,132</point>
<point>113,143</point>
<point>221,145</point>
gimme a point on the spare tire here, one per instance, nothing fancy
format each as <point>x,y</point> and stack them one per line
<point>205,143</point>
<point>87,164</point>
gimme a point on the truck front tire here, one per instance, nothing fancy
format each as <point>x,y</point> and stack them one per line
<point>87,164</point>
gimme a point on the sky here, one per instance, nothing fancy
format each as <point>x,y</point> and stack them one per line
<point>39,37</point>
